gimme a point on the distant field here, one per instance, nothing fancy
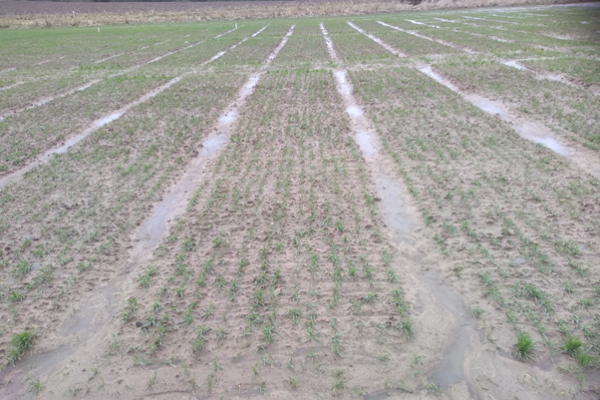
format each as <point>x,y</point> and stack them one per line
<point>46,14</point>
<point>396,205</point>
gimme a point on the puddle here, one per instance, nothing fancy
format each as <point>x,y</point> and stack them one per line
<point>228,118</point>
<point>94,126</point>
<point>363,135</point>
<point>283,42</point>
<point>487,105</point>
<point>173,202</point>
<point>108,58</point>
<point>393,206</point>
<point>378,41</point>
<point>329,43</point>
<point>108,119</point>
<point>416,22</point>
<point>539,133</point>
<point>7,70</point>
<point>354,111</point>
<point>454,46</point>
<point>221,53</point>
<point>451,370</point>
<point>493,20</point>
<point>533,131</point>
<point>363,140</point>
<point>445,20</point>
<point>546,76</point>
<point>427,70</point>
<point>11,86</point>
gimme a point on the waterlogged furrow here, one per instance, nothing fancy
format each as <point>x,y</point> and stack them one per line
<point>445,43</point>
<point>451,370</point>
<point>352,47</point>
<point>99,123</point>
<point>329,43</point>
<point>20,155</point>
<point>528,129</point>
<point>377,40</point>
<point>485,193</point>
<point>409,44</point>
<point>153,228</point>
<point>46,100</point>
<point>98,207</point>
<point>189,46</point>
<point>16,105</point>
<point>288,167</point>
<point>567,110</point>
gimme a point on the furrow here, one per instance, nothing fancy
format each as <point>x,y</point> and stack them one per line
<point>445,43</point>
<point>44,158</point>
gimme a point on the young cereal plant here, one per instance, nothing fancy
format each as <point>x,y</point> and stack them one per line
<point>585,360</point>
<point>370,298</point>
<point>294,314</point>
<point>572,346</point>
<point>20,343</point>
<point>216,366</point>
<point>293,382</point>
<point>243,264</point>
<point>340,383</point>
<point>477,312</point>
<point>407,326</point>
<point>35,386</point>
<point>392,278</point>
<point>524,347</point>
<point>153,379</point>
<point>337,345</point>
<point>131,304</point>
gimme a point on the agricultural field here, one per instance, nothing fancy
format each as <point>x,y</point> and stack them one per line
<point>382,206</point>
